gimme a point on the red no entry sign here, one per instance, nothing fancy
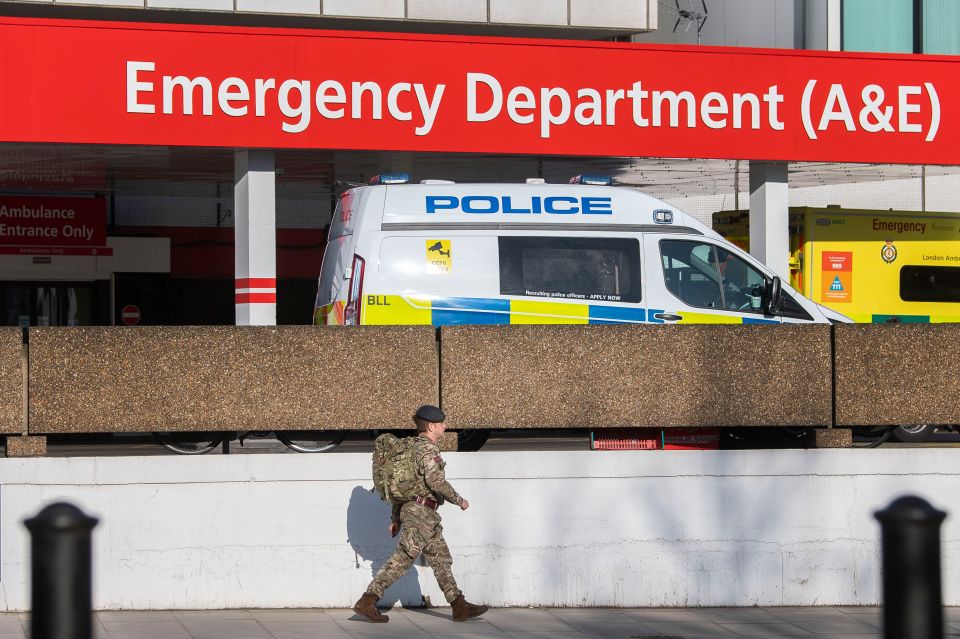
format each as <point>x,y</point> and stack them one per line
<point>130,314</point>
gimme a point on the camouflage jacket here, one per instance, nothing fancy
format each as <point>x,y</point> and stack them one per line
<point>430,465</point>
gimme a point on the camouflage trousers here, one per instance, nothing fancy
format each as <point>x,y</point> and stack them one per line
<point>420,532</point>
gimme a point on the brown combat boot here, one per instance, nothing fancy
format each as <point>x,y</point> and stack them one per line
<point>367,606</point>
<point>463,609</point>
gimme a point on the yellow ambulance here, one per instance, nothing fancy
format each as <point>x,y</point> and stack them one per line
<point>872,266</point>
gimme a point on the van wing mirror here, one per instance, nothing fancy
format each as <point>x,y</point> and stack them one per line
<point>774,296</point>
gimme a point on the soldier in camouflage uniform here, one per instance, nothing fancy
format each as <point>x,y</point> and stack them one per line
<point>418,523</point>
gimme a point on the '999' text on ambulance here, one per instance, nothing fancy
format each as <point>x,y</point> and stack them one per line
<point>442,253</point>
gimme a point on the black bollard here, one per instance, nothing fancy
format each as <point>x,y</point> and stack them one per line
<point>60,595</point>
<point>912,600</point>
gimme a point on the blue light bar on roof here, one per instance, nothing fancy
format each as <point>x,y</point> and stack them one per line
<point>596,180</point>
<point>391,178</point>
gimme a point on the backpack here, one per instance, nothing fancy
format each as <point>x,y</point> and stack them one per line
<point>395,475</point>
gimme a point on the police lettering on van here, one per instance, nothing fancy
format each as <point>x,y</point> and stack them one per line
<point>443,253</point>
<point>556,205</point>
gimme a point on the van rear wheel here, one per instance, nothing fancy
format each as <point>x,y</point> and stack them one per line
<point>913,433</point>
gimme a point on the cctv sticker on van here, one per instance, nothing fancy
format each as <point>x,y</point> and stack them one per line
<point>439,258</point>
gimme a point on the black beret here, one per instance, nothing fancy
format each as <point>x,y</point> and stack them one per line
<point>431,414</point>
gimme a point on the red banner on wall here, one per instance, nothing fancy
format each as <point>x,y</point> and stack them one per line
<point>115,83</point>
<point>33,224</point>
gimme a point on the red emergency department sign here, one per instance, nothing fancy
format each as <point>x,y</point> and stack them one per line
<point>115,83</point>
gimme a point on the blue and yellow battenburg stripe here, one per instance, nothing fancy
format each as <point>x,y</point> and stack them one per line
<point>397,309</point>
<point>901,318</point>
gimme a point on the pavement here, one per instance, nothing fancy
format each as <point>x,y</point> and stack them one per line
<point>507,623</point>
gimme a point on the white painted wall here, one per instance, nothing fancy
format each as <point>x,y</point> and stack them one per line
<point>657,528</point>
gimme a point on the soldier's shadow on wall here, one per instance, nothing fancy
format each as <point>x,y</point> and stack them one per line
<point>368,518</point>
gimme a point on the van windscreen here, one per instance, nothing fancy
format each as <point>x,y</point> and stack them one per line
<point>590,269</point>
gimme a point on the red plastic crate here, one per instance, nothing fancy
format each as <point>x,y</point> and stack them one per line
<point>625,439</point>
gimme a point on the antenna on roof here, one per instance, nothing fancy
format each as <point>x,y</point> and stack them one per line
<point>690,16</point>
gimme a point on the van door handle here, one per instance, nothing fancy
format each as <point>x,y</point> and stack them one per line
<point>667,317</point>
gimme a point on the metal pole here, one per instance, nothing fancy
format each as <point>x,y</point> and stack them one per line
<point>912,601</point>
<point>923,188</point>
<point>60,572</point>
<point>736,185</point>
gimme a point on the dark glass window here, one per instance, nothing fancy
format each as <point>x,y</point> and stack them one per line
<point>930,283</point>
<point>44,303</point>
<point>591,269</point>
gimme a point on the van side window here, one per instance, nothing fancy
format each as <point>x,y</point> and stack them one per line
<point>930,284</point>
<point>708,276</point>
<point>591,269</point>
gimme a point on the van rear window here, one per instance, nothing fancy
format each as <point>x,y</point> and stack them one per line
<point>591,269</point>
<point>930,283</point>
<point>343,219</point>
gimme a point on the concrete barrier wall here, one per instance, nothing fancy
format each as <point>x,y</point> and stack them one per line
<point>111,379</point>
<point>897,374</point>
<point>666,528</point>
<point>11,380</point>
<point>200,378</point>
<point>597,376</point>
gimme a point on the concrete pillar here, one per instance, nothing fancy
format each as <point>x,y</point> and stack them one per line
<point>821,25</point>
<point>834,25</point>
<point>770,216</point>
<point>255,234</point>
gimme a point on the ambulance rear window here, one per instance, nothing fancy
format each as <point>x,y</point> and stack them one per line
<point>930,283</point>
<point>590,269</point>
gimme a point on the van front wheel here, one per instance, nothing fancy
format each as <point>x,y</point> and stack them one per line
<point>311,441</point>
<point>190,443</point>
<point>914,433</point>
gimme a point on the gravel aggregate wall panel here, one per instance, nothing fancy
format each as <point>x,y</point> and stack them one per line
<point>608,376</point>
<point>891,374</point>
<point>142,379</point>
<point>11,380</point>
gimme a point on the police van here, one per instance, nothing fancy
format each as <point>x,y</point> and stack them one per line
<point>581,253</point>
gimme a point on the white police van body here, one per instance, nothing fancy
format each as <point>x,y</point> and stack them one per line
<point>444,253</point>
